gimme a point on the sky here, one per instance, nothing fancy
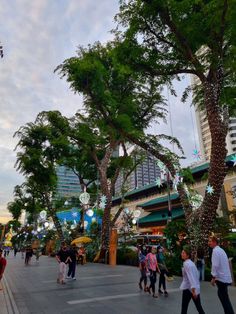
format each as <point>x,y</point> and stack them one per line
<point>37,36</point>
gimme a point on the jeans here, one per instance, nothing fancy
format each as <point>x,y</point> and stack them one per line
<point>153,279</point>
<point>143,277</point>
<point>201,270</point>
<point>186,297</point>
<point>162,279</point>
<point>224,297</point>
<point>71,271</point>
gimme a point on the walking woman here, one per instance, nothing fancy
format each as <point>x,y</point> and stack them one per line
<point>152,267</point>
<point>163,270</point>
<point>190,284</point>
<point>142,268</point>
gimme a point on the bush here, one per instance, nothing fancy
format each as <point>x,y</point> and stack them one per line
<point>126,256</point>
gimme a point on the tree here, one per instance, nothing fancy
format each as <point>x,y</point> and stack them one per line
<point>107,84</point>
<point>37,160</point>
<point>167,39</point>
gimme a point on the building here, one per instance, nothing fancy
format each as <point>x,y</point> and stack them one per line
<point>153,200</point>
<point>68,184</point>
<point>144,174</point>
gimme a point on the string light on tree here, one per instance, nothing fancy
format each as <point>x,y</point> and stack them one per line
<point>103,201</point>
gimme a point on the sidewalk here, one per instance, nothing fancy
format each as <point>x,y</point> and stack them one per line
<point>99,289</point>
<point>7,302</point>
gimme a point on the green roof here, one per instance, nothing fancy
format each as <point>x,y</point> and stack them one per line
<point>148,186</point>
<point>161,215</point>
<point>159,200</point>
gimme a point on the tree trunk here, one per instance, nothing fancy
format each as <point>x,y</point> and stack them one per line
<point>106,220</point>
<point>206,215</point>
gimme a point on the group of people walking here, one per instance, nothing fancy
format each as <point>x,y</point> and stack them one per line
<point>152,262</point>
<point>68,256</point>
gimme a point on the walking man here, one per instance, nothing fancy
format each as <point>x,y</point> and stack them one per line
<point>190,284</point>
<point>221,275</point>
<point>3,264</point>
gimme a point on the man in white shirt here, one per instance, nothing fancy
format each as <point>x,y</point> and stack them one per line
<point>221,275</point>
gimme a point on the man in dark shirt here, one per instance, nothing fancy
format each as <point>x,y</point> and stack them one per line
<point>72,265</point>
<point>62,258</point>
<point>3,264</point>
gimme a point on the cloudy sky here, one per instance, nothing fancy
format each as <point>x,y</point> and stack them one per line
<point>37,35</point>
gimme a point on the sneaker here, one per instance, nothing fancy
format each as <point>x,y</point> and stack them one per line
<point>160,291</point>
<point>68,277</point>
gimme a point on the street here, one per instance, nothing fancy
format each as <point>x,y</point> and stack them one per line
<point>98,289</point>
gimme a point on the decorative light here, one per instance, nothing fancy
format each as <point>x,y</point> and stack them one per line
<point>84,198</point>
<point>137,213</point>
<point>103,202</point>
<point>43,214</point>
<point>197,154</point>
<point>126,210</point>
<point>46,224</point>
<point>39,229</point>
<point>134,221</point>
<point>90,212</point>
<point>66,203</point>
<point>93,219</point>
<point>158,182</point>
<point>209,189</point>
<point>85,224</point>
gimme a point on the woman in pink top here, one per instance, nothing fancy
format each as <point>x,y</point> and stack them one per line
<point>152,267</point>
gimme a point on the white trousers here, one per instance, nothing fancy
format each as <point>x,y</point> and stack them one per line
<point>62,271</point>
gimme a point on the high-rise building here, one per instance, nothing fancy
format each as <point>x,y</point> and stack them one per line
<point>205,135</point>
<point>68,184</point>
<point>145,173</point>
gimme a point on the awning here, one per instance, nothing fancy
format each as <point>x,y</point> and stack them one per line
<point>161,215</point>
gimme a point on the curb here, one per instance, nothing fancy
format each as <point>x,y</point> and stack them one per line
<point>9,299</point>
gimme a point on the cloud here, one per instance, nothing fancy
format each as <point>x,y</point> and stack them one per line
<point>37,36</point>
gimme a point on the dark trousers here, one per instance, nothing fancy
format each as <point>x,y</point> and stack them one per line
<point>143,277</point>
<point>153,279</point>
<point>162,279</point>
<point>186,297</point>
<point>71,271</point>
<point>224,297</point>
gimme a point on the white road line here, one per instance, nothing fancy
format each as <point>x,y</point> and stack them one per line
<point>112,297</point>
<point>86,278</point>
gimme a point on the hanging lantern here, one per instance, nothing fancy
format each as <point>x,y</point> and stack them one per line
<point>137,213</point>
<point>90,212</point>
<point>84,198</point>
<point>43,214</point>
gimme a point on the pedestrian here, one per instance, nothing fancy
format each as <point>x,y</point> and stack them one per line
<point>200,263</point>
<point>73,254</point>
<point>163,270</point>
<point>3,263</point>
<point>190,284</point>
<point>28,255</point>
<point>15,251</point>
<point>152,268</point>
<point>81,255</point>
<point>142,267</point>
<point>221,275</point>
<point>63,258</point>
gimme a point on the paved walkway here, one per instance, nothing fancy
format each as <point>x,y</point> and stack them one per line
<point>98,289</point>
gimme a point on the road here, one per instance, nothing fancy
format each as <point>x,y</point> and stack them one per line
<point>98,289</point>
